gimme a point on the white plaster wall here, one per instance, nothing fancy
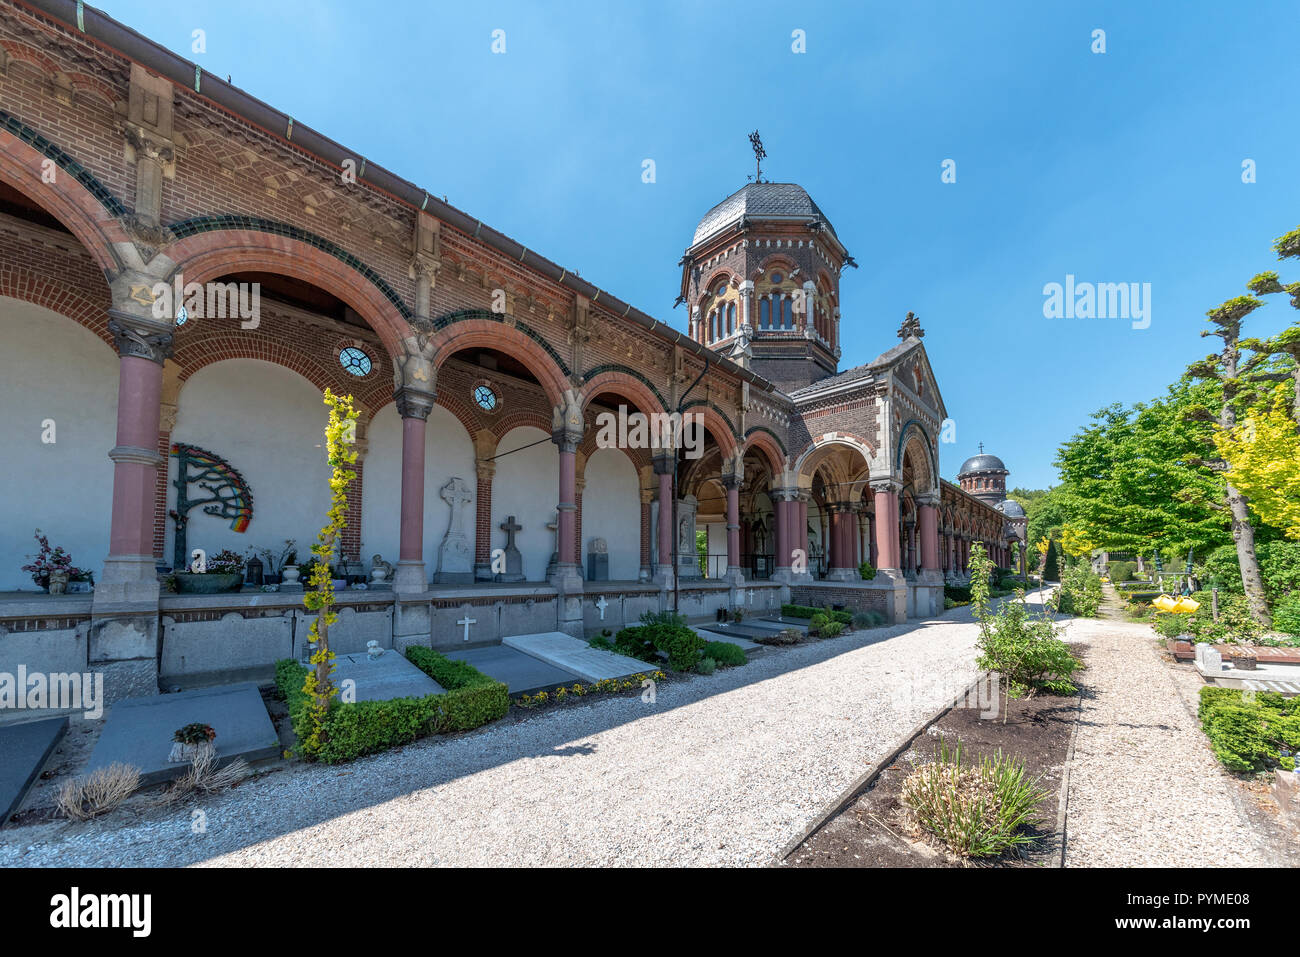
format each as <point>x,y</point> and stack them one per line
<point>448,452</point>
<point>53,368</point>
<point>269,423</point>
<point>717,549</point>
<point>611,509</point>
<point>527,486</point>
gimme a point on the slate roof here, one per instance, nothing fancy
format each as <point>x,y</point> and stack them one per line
<point>981,463</point>
<point>758,201</point>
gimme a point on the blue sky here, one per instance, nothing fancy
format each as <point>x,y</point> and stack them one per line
<point>1117,167</point>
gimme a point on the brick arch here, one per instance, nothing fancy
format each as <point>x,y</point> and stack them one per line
<point>806,464</point>
<point>470,333</point>
<point>75,198</point>
<point>718,424</point>
<point>206,256</point>
<point>16,282</point>
<point>766,444</point>
<point>220,346</point>
<point>784,260</point>
<point>519,418</point>
<point>623,384</point>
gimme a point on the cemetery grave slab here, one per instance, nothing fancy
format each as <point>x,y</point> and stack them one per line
<point>576,656</point>
<point>522,674</point>
<point>25,748</point>
<point>138,731</point>
<point>389,676</point>
<point>732,635</point>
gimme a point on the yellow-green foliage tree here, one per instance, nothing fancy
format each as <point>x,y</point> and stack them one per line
<point>340,446</point>
<point>1263,452</point>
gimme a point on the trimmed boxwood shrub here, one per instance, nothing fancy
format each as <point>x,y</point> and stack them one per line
<point>724,653</point>
<point>1247,734</point>
<point>365,727</point>
<point>807,611</point>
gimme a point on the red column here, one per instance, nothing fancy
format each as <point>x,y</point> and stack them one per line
<point>801,531</point>
<point>135,458</point>
<point>733,524</point>
<point>886,501</point>
<point>664,468</point>
<point>929,537</point>
<point>411,548</point>
<point>782,530</point>
<point>568,503</point>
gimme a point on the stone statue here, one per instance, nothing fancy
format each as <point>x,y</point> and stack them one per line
<point>380,570</point>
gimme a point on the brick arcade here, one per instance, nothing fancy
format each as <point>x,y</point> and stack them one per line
<point>480,368</point>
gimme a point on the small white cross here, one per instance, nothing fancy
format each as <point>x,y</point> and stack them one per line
<point>602,605</point>
<point>751,596</point>
<point>467,621</point>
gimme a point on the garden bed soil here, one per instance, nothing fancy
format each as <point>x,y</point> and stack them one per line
<point>873,832</point>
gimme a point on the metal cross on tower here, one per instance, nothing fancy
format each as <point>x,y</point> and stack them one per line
<point>760,154</point>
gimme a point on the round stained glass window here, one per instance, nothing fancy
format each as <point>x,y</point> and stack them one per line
<point>354,361</point>
<point>721,290</point>
<point>485,398</point>
<point>777,277</point>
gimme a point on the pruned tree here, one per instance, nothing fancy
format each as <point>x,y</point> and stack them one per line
<point>1225,368</point>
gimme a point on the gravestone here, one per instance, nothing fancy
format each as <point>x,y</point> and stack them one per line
<point>1208,658</point>
<point>598,560</point>
<point>514,561</point>
<point>456,553</point>
<point>688,555</point>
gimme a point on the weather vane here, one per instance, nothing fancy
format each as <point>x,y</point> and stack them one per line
<point>759,155</point>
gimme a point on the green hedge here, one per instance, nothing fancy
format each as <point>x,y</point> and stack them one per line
<point>724,653</point>
<point>1248,733</point>
<point>366,727</point>
<point>807,611</point>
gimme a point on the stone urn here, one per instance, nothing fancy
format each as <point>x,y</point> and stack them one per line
<point>289,574</point>
<point>379,574</point>
<point>58,582</point>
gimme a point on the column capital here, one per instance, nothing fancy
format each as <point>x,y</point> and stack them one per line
<point>928,499</point>
<point>139,337</point>
<point>665,463</point>
<point>567,440</point>
<point>886,485</point>
<point>785,494</point>
<point>414,403</point>
<point>731,480</point>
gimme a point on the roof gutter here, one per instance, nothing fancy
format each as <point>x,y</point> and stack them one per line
<point>103,29</point>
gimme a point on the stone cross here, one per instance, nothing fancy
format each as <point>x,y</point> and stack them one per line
<point>602,605</point>
<point>467,621</point>
<point>510,526</point>
<point>751,596</point>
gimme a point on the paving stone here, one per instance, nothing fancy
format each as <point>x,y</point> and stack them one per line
<point>24,749</point>
<point>576,656</point>
<point>381,679</point>
<point>522,673</point>
<point>138,731</point>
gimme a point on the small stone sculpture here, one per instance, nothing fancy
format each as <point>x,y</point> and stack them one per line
<point>380,570</point>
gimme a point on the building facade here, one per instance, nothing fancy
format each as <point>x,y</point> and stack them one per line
<point>184,270</point>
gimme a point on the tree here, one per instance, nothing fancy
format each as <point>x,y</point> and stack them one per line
<point>341,453</point>
<point>1263,453</point>
<point>1051,564</point>
<point>1223,368</point>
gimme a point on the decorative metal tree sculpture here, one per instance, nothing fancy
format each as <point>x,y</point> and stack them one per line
<point>228,494</point>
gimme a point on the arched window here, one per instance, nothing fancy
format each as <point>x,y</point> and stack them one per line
<point>764,313</point>
<point>787,314</point>
<point>713,332</point>
<point>731,318</point>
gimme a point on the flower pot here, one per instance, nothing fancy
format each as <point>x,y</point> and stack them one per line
<point>185,753</point>
<point>191,583</point>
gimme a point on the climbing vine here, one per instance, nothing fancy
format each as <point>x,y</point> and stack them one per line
<point>340,440</point>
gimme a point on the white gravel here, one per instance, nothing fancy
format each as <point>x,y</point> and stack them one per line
<point>720,770</point>
<point>1145,789</point>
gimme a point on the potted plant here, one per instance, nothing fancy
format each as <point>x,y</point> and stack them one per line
<point>222,572</point>
<point>867,571</point>
<point>190,741</point>
<point>49,560</point>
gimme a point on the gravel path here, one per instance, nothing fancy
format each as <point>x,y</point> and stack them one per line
<point>1145,789</point>
<point>719,770</point>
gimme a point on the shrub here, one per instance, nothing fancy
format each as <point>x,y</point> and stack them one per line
<point>350,730</point>
<point>1121,571</point>
<point>1286,614</point>
<point>635,642</point>
<point>832,629</point>
<point>601,643</point>
<point>706,666</point>
<point>868,619</point>
<point>97,793</point>
<point>1080,592</point>
<point>867,571</point>
<point>958,593</point>
<point>798,611</point>
<point>1248,733</point>
<point>724,653</point>
<point>975,810</point>
<point>787,636</point>
<point>668,632</point>
<point>1172,624</point>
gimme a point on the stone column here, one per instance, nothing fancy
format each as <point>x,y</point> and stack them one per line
<point>929,519</point>
<point>568,503</point>
<point>874,558</point>
<point>786,508</point>
<point>646,496</point>
<point>886,502</point>
<point>130,572</point>
<point>414,407</point>
<point>732,484</point>
<point>664,469</point>
<point>747,305</point>
<point>842,565</point>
